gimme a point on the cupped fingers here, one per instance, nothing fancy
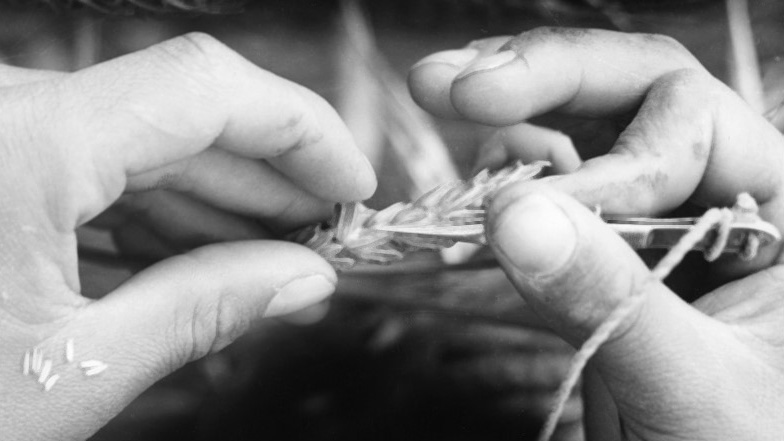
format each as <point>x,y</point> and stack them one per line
<point>692,139</point>
<point>163,220</point>
<point>528,143</point>
<point>584,72</point>
<point>659,160</point>
<point>239,185</point>
<point>161,105</point>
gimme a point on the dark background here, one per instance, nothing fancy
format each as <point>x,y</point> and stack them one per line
<point>399,354</point>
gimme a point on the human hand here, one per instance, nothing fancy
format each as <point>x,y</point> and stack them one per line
<point>188,115</point>
<point>710,370</point>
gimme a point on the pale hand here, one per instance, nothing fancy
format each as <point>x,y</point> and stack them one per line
<point>188,115</point>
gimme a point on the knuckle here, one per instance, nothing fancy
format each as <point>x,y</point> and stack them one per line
<point>200,62</point>
<point>197,50</point>
<point>294,127</point>
<point>694,80</point>
<point>689,88</point>
<point>674,52</point>
<point>183,90</point>
<point>547,38</point>
<point>685,78</point>
<point>213,320</point>
<point>300,126</point>
<point>543,34</point>
<point>667,43</point>
<point>309,136</point>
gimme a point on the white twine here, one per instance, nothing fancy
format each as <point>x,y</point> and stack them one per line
<point>719,218</point>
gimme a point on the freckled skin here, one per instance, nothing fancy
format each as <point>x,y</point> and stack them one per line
<point>548,34</point>
<point>626,196</point>
<point>655,182</point>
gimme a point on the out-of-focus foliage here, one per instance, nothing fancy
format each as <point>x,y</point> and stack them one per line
<point>490,7</point>
<point>132,6</point>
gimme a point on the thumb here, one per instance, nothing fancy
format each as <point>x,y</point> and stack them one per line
<point>574,270</point>
<point>191,305</point>
<point>172,313</point>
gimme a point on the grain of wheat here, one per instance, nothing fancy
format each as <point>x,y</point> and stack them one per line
<point>92,367</point>
<point>69,350</point>
<point>37,360</point>
<point>88,364</point>
<point>26,363</point>
<point>46,369</point>
<point>50,382</point>
<point>95,370</point>
<point>350,238</point>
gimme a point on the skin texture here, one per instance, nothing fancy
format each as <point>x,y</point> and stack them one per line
<point>206,129</point>
<point>178,117</point>
<point>711,370</point>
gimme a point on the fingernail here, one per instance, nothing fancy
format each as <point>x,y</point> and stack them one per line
<point>308,316</point>
<point>534,235</point>
<point>488,63</point>
<point>299,294</point>
<point>457,58</point>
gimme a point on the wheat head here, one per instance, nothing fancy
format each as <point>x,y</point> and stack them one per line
<point>351,238</point>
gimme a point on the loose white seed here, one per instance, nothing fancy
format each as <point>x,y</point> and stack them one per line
<point>87,364</point>
<point>37,360</point>
<point>96,370</point>
<point>45,371</point>
<point>26,363</point>
<point>50,382</point>
<point>69,350</point>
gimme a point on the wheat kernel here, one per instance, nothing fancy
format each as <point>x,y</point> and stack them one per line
<point>69,350</point>
<point>50,382</point>
<point>45,371</point>
<point>26,363</point>
<point>87,364</point>
<point>96,370</point>
<point>37,359</point>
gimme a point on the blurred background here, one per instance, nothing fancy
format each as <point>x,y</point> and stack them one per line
<point>412,351</point>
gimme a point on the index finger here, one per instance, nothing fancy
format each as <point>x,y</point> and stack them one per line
<point>691,138</point>
<point>586,72</point>
<point>688,134</point>
<point>171,101</point>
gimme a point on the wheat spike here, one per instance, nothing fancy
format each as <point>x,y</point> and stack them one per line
<point>350,239</point>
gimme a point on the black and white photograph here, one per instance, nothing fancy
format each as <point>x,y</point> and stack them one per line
<point>413,220</point>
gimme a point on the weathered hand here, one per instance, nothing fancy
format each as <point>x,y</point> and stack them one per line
<point>711,370</point>
<point>188,115</point>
